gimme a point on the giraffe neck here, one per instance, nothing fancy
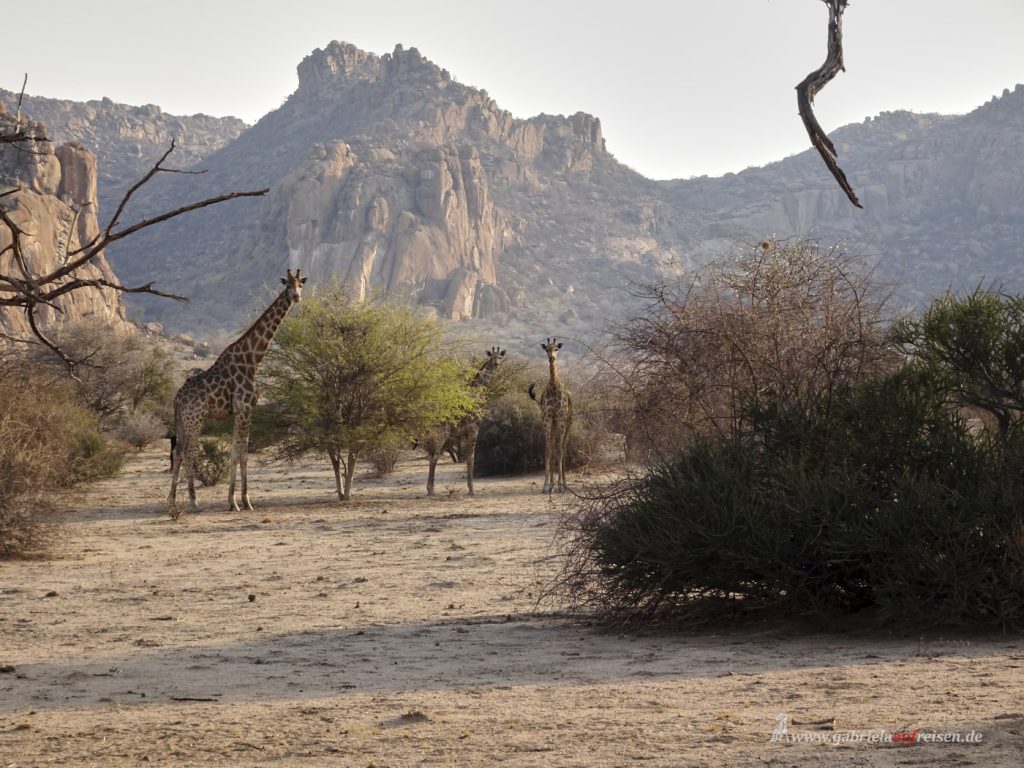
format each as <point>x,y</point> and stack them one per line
<point>484,375</point>
<point>554,383</point>
<point>253,344</point>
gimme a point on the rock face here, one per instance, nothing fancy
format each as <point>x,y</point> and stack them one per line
<point>53,185</point>
<point>421,221</point>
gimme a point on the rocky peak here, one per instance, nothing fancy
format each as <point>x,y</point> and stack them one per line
<point>343,64</point>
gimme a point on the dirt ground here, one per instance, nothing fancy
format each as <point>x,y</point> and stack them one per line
<point>404,631</point>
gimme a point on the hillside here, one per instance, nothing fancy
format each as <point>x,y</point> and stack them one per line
<point>943,198</point>
<point>386,172</point>
<point>126,140</point>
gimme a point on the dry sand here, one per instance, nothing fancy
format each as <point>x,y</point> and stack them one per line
<point>403,631</point>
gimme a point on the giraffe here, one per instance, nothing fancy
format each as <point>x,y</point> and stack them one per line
<point>464,433</point>
<point>556,411</point>
<point>227,388</point>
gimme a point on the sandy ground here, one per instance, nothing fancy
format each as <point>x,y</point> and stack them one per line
<point>403,631</point>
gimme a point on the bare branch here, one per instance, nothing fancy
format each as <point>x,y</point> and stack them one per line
<point>30,312</point>
<point>21,98</point>
<point>89,251</point>
<point>814,82</point>
<point>29,290</point>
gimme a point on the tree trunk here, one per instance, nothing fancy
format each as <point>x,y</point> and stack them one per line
<point>336,465</point>
<point>350,470</point>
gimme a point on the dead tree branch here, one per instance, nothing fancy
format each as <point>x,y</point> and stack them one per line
<point>23,287</point>
<point>18,133</point>
<point>814,82</point>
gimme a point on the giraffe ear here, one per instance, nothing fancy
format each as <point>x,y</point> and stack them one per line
<point>558,345</point>
<point>501,353</point>
<point>303,280</point>
<point>284,281</point>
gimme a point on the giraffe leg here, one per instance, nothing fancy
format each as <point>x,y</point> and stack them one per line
<point>243,461</point>
<point>176,456</point>
<point>191,451</point>
<point>239,461</point>
<point>232,477</point>
<point>470,448</point>
<point>547,463</point>
<point>562,487</point>
<point>184,454</point>
<point>432,458</point>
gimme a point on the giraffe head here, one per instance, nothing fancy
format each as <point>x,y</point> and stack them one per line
<point>551,346</point>
<point>293,285</point>
<point>494,357</point>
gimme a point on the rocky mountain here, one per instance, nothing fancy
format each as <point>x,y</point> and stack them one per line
<point>126,140</point>
<point>387,173</point>
<point>55,206</point>
<point>943,198</point>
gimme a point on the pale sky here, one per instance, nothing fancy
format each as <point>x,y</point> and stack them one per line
<point>682,87</point>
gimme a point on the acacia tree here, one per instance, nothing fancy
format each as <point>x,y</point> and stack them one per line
<point>24,287</point>
<point>344,379</point>
<point>973,348</point>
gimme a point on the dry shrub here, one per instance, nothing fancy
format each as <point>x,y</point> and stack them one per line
<point>783,323</point>
<point>141,428</point>
<point>48,441</point>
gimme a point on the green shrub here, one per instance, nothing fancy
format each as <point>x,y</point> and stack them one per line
<point>511,439</point>
<point>212,461</point>
<point>94,457</point>
<point>888,503</point>
<point>383,460</point>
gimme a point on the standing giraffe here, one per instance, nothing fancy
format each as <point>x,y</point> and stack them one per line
<point>556,412</point>
<point>464,433</point>
<point>227,388</point>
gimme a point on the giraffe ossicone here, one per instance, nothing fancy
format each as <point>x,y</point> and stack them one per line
<point>227,388</point>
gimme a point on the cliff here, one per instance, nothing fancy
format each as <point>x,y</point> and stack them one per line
<point>55,206</point>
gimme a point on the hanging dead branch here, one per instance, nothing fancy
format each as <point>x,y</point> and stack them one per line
<point>814,82</point>
<point>21,286</point>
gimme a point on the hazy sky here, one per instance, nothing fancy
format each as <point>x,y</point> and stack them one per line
<point>682,87</point>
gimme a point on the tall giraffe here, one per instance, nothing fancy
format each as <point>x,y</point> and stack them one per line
<point>556,412</point>
<point>227,388</point>
<point>464,433</point>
